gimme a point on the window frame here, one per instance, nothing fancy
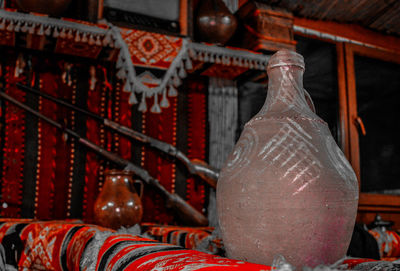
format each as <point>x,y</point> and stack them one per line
<point>369,203</point>
<point>370,44</point>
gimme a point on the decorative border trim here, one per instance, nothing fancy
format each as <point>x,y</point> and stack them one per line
<point>178,69</point>
<point>228,56</point>
<point>43,25</point>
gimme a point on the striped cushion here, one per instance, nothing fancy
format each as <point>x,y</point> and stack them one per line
<point>126,252</point>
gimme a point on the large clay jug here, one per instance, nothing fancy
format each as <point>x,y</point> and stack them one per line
<point>118,204</point>
<point>287,189</point>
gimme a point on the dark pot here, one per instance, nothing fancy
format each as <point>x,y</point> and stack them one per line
<point>215,23</point>
<point>51,7</point>
<point>118,204</point>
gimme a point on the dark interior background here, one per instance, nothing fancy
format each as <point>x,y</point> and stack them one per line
<point>378,104</point>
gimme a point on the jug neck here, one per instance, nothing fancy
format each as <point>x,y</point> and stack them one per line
<point>116,181</point>
<point>285,86</point>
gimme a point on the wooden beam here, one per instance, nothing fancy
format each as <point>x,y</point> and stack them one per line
<point>379,200</point>
<point>387,206</point>
<point>352,32</point>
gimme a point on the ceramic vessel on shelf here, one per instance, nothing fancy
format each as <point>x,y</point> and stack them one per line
<point>51,7</point>
<point>287,188</point>
<point>215,23</point>
<point>118,204</point>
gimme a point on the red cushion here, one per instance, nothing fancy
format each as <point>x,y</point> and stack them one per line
<point>388,242</point>
<point>126,252</point>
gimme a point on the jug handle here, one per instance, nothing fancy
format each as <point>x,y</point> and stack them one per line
<point>141,185</point>
<point>307,96</point>
<point>309,100</point>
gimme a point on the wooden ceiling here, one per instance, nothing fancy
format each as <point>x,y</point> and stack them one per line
<point>379,15</point>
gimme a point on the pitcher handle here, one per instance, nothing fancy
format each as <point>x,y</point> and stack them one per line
<point>141,185</point>
<point>309,100</point>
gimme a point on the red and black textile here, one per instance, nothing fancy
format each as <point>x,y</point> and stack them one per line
<point>47,167</point>
<point>388,242</point>
<point>80,79</point>
<point>41,168</point>
<point>47,134</point>
<point>95,133</point>
<point>51,245</point>
<point>77,244</point>
<point>60,245</point>
<point>63,160</point>
<point>13,141</point>
<point>196,134</point>
<point>53,160</point>
<point>187,237</point>
<point>31,154</point>
<point>63,245</point>
<point>124,118</point>
<point>127,252</point>
<point>162,127</point>
<point>48,175</point>
<point>182,173</point>
<point>10,239</point>
<point>10,4</point>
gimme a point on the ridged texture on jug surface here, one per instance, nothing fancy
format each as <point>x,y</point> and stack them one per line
<point>287,187</point>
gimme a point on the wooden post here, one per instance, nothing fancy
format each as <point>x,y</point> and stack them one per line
<point>183,17</point>
<point>343,106</point>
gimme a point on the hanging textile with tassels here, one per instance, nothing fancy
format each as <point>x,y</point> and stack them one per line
<point>151,65</point>
<point>151,50</point>
<point>174,55</point>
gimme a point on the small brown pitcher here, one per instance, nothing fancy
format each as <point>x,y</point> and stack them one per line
<point>118,204</point>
